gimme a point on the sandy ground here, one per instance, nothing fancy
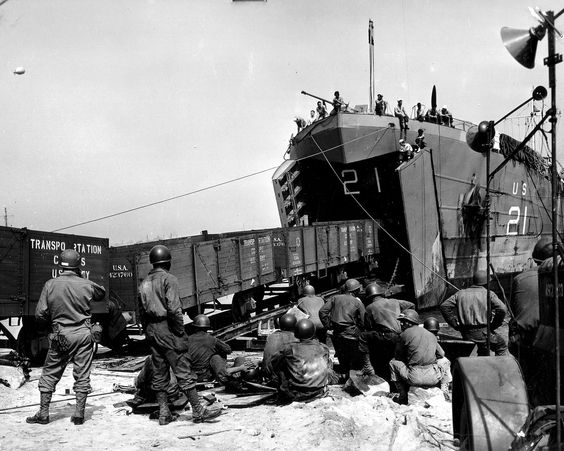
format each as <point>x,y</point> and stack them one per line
<point>338,422</point>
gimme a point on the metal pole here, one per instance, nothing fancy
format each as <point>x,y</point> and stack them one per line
<point>551,62</point>
<point>488,300</point>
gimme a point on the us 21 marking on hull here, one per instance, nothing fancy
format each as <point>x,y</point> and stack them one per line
<point>513,224</point>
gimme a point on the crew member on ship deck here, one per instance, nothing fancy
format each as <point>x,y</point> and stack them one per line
<point>321,110</point>
<point>338,104</point>
<point>381,106</point>
<point>399,112</point>
<point>445,116</point>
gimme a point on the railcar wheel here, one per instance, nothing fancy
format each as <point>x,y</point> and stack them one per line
<point>489,402</point>
<point>32,345</point>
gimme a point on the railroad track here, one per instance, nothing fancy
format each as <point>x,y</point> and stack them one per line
<point>239,329</point>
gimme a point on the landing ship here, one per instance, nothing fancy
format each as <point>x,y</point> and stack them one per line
<point>431,207</point>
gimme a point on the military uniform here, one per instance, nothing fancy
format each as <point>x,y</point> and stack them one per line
<point>467,310</point>
<point>161,314</point>
<point>311,305</point>
<point>415,362</point>
<point>274,343</point>
<point>208,356</point>
<point>382,331</point>
<point>344,314</point>
<point>65,302</point>
<point>303,368</point>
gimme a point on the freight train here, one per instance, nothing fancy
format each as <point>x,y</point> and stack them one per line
<point>238,266</point>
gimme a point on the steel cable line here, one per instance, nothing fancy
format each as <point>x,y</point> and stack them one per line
<point>236,179</point>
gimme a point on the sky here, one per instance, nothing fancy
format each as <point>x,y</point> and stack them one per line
<point>125,103</point>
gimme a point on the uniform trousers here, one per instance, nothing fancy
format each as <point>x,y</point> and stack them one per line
<point>78,349</point>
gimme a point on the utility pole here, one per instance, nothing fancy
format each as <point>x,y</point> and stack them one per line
<point>5,216</point>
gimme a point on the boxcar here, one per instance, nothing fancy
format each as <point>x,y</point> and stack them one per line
<point>212,266</point>
<point>28,258</point>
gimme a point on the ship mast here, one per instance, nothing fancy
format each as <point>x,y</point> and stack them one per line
<point>371,63</point>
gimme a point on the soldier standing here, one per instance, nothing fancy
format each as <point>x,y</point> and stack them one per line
<point>467,312</point>
<point>161,315</point>
<point>344,314</point>
<point>65,301</point>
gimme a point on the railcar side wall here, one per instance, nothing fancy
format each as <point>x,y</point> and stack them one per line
<point>229,263</point>
<point>28,258</point>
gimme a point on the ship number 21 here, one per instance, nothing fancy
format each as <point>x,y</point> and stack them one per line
<point>513,223</point>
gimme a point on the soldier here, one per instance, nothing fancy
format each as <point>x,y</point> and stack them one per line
<point>415,361</point>
<point>382,327</point>
<point>161,315</point>
<point>208,355</point>
<point>525,300</point>
<point>311,304</point>
<point>344,314</point>
<point>276,341</point>
<point>65,301</point>
<point>303,368</point>
<point>466,311</point>
<point>208,360</point>
<point>433,326</point>
<point>524,324</point>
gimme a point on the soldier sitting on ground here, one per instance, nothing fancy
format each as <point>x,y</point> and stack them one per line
<point>275,342</point>
<point>415,363</point>
<point>145,395</point>
<point>208,355</point>
<point>303,368</point>
<point>433,326</point>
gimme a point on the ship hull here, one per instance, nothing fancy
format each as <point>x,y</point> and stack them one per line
<point>431,207</point>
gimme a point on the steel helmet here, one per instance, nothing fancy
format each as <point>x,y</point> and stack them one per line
<point>159,254</point>
<point>202,322</point>
<point>352,285</point>
<point>251,375</point>
<point>287,322</point>
<point>309,290</point>
<point>69,259</point>
<point>480,277</point>
<point>304,329</point>
<point>373,290</point>
<point>409,315</point>
<point>542,250</point>
<point>431,324</point>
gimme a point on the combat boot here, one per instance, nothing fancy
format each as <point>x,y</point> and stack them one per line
<point>78,417</point>
<point>367,368</point>
<point>199,412</point>
<point>136,401</point>
<point>165,417</point>
<point>41,417</point>
<point>402,393</point>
